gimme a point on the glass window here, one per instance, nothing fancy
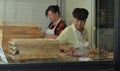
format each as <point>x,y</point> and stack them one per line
<point>105,26</point>
<point>25,25</point>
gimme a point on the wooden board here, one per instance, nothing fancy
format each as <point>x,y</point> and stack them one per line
<point>19,30</point>
<point>27,49</point>
<point>34,42</point>
<point>32,51</point>
<point>37,56</point>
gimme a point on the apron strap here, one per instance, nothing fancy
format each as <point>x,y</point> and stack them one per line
<point>57,23</point>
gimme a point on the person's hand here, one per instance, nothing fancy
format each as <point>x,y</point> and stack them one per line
<point>43,34</point>
<point>50,36</point>
<point>72,49</point>
<point>68,49</point>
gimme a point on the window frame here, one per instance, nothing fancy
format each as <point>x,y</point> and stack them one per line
<point>92,65</point>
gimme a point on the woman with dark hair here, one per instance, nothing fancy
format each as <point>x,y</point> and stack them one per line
<point>56,25</point>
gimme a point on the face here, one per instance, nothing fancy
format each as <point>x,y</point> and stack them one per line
<point>52,16</point>
<point>79,24</point>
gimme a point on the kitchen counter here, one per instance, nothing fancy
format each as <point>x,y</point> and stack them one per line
<point>56,60</point>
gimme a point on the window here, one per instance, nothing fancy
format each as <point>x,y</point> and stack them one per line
<point>23,21</point>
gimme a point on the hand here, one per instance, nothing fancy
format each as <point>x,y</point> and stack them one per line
<point>43,34</point>
<point>72,49</point>
<point>67,49</point>
<point>50,36</point>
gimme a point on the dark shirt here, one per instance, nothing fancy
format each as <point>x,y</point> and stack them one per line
<point>59,28</point>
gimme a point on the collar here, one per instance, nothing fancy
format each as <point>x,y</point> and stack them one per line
<point>73,27</point>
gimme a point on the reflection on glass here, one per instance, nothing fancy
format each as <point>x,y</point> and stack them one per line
<point>23,21</point>
<point>105,27</point>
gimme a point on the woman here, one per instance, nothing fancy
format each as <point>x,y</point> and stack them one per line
<point>56,25</point>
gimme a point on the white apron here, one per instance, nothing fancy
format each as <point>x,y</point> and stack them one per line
<point>51,31</point>
<point>82,47</point>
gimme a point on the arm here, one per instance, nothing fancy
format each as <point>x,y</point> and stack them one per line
<point>51,36</point>
<point>43,34</point>
<point>63,39</point>
<point>67,48</point>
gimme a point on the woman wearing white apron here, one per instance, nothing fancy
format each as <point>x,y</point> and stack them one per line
<point>51,31</point>
<point>57,25</point>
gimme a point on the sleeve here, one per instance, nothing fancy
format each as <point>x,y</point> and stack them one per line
<point>62,38</point>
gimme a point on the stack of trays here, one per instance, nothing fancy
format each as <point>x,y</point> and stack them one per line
<point>33,48</point>
<point>19,30</point>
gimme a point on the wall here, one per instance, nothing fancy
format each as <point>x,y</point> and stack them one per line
<point>25,11</point>
<point>1,10</point>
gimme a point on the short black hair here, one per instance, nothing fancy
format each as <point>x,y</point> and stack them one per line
<point>80,13</point>
<point>53,8</point>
